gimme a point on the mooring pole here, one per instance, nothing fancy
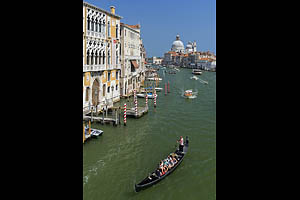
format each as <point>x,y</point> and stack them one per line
<point>119,115</point>
<point>168,87</point>
<point>165,88</point>
<point>154,99</point>
<point>135,103</point>
<point>124,114</point>
<point>103,115</point>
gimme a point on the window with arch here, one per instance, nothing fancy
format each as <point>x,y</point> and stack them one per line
<point>108,28</point>
<point>117,30</point>
<point>88,57</point>
<point>103,53</point>
<point>92,58</point>
<point>88,23</point>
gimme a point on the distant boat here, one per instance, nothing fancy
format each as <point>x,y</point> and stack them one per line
<point>154,79</point>
<point>188,93</point>
<point>194,77</point>
<point>150,95</point>
<point>197,72</point>
<point>157,89</point>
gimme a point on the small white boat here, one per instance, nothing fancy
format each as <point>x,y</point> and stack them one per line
<point>158,89</point>
<point>96,132</point>
<point>197,71</point>
<point>150,95</point>
<point>194,77</point>
<point>154,79</point>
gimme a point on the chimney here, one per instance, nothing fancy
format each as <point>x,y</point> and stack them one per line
<point>112,9</point>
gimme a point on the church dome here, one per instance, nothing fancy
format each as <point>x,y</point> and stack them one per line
<point>177,45</point>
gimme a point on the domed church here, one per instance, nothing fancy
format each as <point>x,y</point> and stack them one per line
<point>177,45</point>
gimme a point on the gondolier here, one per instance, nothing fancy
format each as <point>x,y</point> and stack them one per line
<point>181,145</point>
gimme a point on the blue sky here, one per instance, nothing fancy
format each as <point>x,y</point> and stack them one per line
<point>162,20</point>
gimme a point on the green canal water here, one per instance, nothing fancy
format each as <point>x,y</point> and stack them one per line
<point>124,155</point>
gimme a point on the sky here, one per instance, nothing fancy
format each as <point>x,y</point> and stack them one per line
<point>162,20</point>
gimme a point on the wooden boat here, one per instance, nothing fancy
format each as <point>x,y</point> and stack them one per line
<point>96,132</point>
<point>153,178</point>
<point>188,93</point>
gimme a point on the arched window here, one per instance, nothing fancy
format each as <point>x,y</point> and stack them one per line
<point>108,27</point>
<point>88,57</point>
<point>96,26</point>
<point>108,60</point>
<point>104,57</point>
<point>100,57</point>
<point>96,58</point>
<point>93,24</point>
<point>117,30</point>
<point>88,23</point>
<point>92,58</point>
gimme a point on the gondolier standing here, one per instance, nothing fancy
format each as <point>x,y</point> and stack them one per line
<point>180,144</point>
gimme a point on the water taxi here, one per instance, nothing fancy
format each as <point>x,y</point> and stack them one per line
<point>197,72</point>
<point>188,93</point>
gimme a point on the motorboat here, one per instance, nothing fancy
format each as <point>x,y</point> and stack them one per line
<point>154,79</point>
<point>194,77</point>
<point>150,95</point>
<point>188,93</point>
<point>197,72</point>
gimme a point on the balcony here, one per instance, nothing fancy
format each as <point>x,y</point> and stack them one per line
<point>93,68</point>
<point>95,34</point>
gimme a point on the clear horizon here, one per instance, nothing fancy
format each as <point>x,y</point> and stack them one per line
<point>161,21</point>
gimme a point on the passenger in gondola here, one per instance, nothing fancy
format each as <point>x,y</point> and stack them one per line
<point>157,172</point>
<point>180,144</point>
<point>174,160</point>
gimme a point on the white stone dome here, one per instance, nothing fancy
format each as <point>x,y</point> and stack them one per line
<point>177,45</point>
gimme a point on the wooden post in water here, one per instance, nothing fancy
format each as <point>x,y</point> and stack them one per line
<point>165,88</point>
<point>83,133</point>
<point>146,99</point>
<point>92,114</point>
<point>119,115</point>
<point>103,115</point>
<point>124,114</point>
<point>116,111</point>
<point>168,87</point>
<point>90,127</point>
<point>154,99</point>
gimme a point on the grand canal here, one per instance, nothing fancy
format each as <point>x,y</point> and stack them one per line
<point>124,155</point>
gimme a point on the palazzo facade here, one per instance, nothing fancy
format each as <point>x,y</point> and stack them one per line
<point>101,56</point>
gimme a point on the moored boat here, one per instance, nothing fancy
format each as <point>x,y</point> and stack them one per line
<point>96,132</point>
<point>150,95</point>
<point>153,178</point>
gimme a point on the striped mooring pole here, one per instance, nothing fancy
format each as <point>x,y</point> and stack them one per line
<point>124,114</point>
<point>146,99</point>
<point>135,103</point>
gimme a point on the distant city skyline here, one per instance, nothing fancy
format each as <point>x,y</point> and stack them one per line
<point>161,21</point>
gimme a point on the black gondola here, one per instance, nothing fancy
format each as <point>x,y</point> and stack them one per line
<point>153,178</point>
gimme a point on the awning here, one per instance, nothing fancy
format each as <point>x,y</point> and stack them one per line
<point>133,62</point>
